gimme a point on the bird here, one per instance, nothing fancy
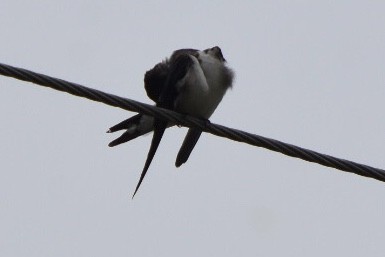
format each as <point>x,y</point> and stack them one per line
<point>191,82</point>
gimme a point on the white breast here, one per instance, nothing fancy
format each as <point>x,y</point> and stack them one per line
<point>202,89</point>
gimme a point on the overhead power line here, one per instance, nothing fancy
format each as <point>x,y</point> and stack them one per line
<point>189,121</point>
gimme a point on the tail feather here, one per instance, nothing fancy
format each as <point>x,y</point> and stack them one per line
<point>135,126</point>
<point>125,137</point>
<point>160,127</point>
<point>188,145</point>
<point>126,124</point>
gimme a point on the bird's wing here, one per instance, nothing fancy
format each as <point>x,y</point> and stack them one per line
<point>179,65</point>
<point>155,80</point>
<point>188,145</point>
<point>196,78</point>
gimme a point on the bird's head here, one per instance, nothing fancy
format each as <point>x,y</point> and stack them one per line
<point>216,53</point>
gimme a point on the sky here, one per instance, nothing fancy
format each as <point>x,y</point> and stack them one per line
<point>309,73</point>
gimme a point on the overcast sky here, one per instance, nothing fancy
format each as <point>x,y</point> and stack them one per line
<point>309,73</point>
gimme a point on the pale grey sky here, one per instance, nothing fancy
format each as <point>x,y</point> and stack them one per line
<point>310,73</point>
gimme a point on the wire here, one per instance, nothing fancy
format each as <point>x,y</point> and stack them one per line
<point>188,121</point>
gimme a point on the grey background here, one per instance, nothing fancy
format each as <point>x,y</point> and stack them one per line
<point>310,73</point>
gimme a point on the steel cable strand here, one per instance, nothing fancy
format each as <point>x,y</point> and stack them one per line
<point>179,119</point>
<point>298,152</point>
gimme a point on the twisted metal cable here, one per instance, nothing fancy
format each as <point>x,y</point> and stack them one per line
<point>188,121</point>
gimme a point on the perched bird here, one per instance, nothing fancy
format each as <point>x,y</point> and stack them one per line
<point>191,82</point>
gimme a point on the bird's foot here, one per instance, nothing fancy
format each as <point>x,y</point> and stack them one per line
<point>207,122</point>
<point>184,117</point>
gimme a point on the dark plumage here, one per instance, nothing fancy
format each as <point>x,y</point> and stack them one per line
<point>192,82</point>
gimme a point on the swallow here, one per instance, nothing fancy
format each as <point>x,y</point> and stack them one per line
<point>191,82</point>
